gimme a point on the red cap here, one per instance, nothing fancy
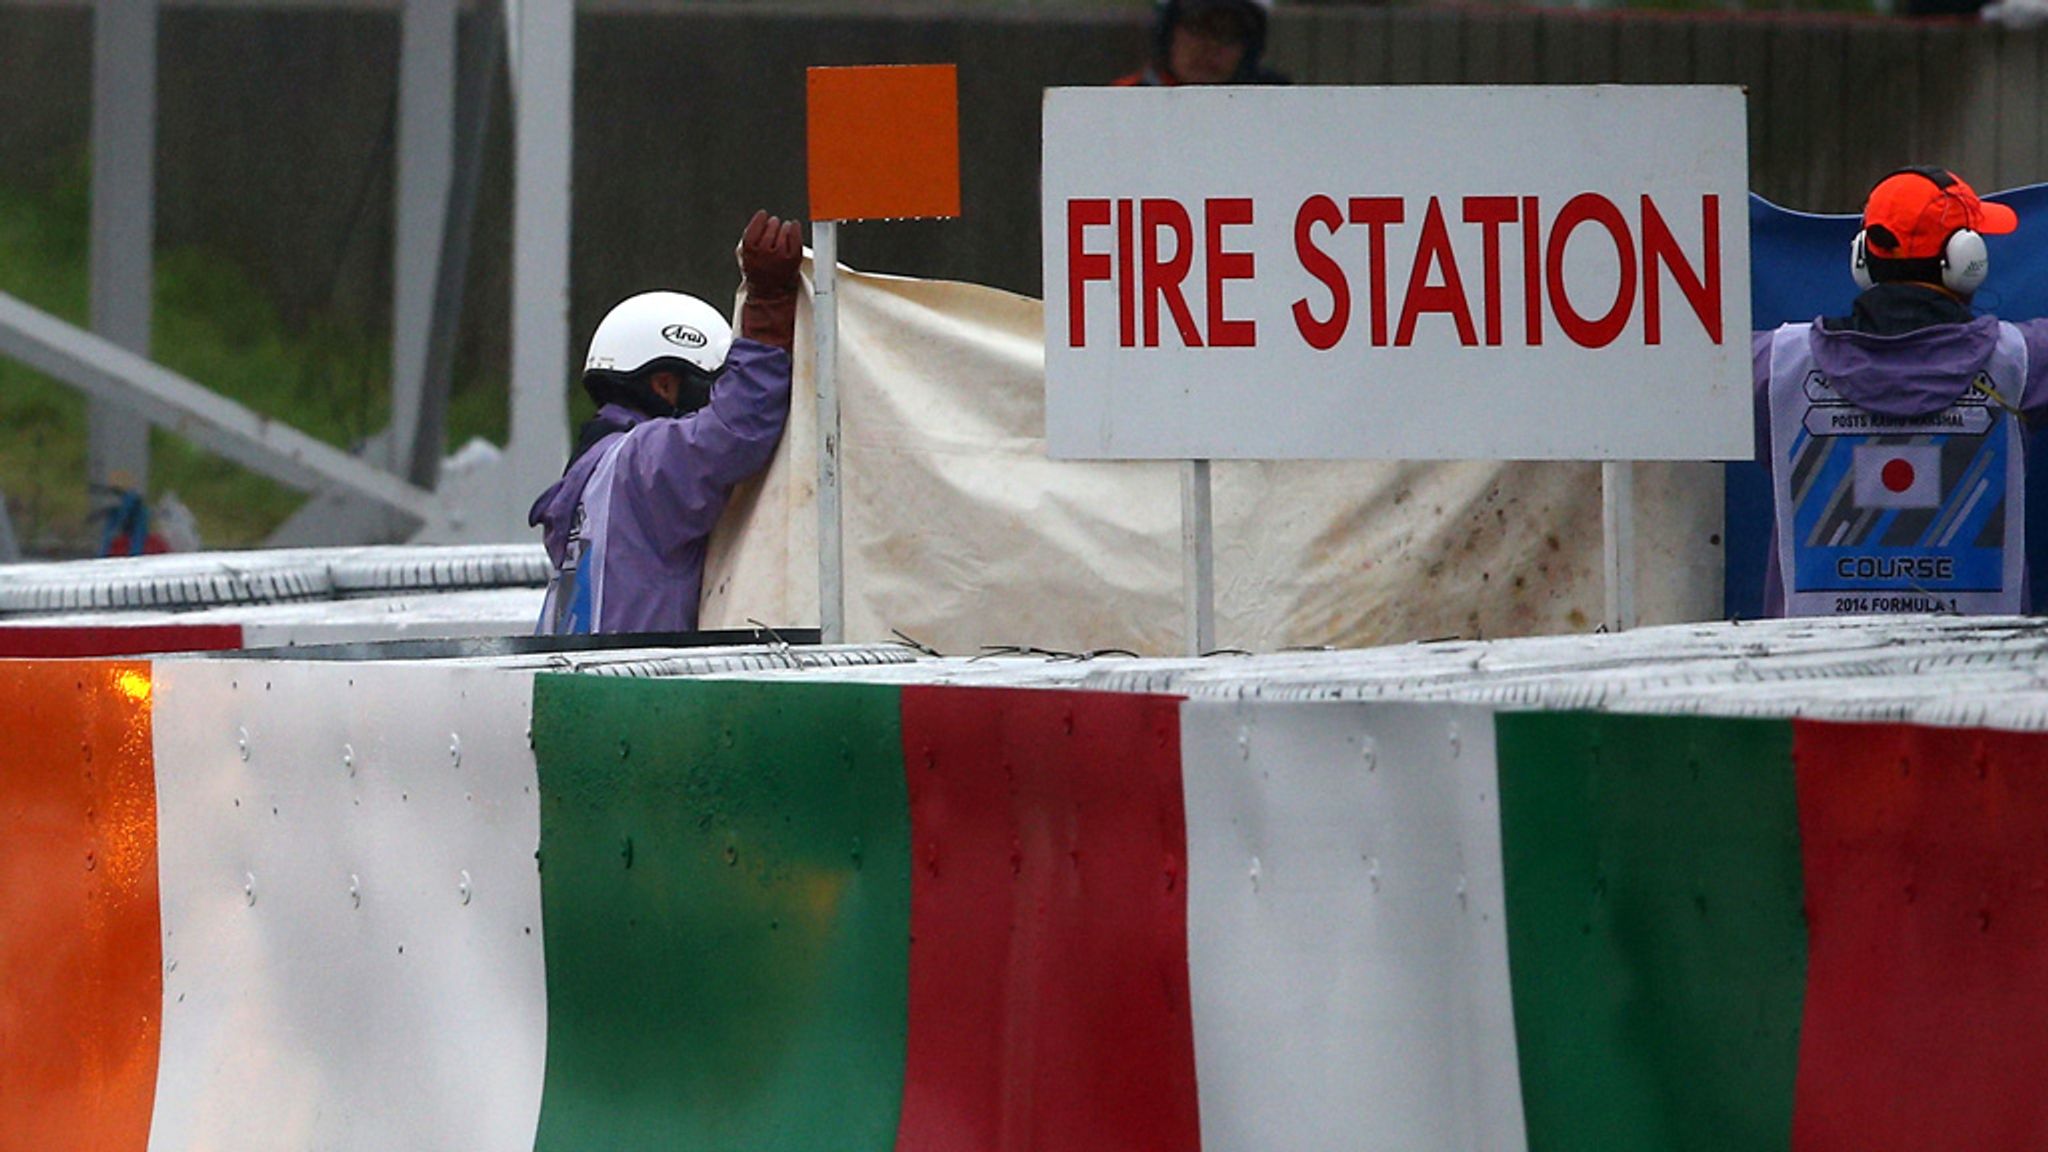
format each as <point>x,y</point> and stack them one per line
<point>1911,214</point>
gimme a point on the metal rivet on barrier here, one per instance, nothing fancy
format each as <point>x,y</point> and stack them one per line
<point>242,742</point>
<point>1463,902</point>
<point>1457,743</point>
<point>463,888</point>
<point>355,890</point>
<point>1244,742</point>
<point>455,750</point>
<point>1369,752</point>
<point>1372,872</point>
<point>249,888</point>
<point>1255,873</point>
<point>348,758</point>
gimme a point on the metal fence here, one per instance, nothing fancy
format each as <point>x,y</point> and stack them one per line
<point>1835,102</point>
<point>276,127</point>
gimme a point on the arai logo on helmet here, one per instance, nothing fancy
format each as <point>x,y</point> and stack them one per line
<point>684,336</point>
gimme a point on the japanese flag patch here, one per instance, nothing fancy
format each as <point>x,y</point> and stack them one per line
<point>1897,475</point>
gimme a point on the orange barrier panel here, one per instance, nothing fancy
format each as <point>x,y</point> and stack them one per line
<point>80,950</point>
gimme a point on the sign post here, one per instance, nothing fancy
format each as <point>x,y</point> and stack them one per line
<point>1618,534</point>
<point>1422,273</point>
<point>1198,557</point>
<point>883,143</point>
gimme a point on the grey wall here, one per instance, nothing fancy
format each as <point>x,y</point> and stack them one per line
<point>277,124</point>
<point>45,91</point>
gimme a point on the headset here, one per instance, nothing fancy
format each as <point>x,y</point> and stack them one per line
<point>1965,260</point>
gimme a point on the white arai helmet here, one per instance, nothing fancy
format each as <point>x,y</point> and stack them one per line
<point>641,331</point>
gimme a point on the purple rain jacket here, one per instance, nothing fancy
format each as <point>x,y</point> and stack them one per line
<point>1905,350</point>
<point>627,525</point>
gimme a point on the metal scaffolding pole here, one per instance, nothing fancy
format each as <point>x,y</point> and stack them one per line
<point>426,154</point>
<point>123,219</point>
<point>481,48</point>
<point>109,373</point>
<point>543,58</point>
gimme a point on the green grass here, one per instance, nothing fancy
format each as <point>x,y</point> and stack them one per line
<point>212,324</point>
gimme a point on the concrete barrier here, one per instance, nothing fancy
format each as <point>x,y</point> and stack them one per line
<point>1312,900</point>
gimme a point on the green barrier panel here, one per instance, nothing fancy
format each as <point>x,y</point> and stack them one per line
<point>725,891</point>
<point>1655,940</point>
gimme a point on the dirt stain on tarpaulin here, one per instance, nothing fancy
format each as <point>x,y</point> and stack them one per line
<point>1428,550</point>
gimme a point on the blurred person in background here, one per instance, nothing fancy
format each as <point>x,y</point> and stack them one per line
<point>687,409</point>
<point>1206,42</point>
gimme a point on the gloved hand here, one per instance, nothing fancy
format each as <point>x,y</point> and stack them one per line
<point>771,251</point>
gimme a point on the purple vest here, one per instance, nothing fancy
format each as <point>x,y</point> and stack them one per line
<point>1887,514</point>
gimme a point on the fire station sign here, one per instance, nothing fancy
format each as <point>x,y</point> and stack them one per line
<point>1413,273</point>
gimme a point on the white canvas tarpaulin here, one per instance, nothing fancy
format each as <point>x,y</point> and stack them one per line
<point>961,534</point>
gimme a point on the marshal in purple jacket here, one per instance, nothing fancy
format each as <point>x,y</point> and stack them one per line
<point>628,524</point>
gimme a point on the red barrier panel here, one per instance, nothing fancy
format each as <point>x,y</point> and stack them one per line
<point>57,641</point>
<point>1048,914</point>
<point>1926,860</point>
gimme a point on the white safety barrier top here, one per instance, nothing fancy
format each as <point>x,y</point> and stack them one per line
<point>1944,671</point>
<point>183,581</point>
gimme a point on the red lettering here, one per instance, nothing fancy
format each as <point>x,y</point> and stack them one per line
<point>1434,251</point>
<point>1127,280</point>
<point>1532,273</point>
<point>1435,282</point>
<point>1322,335</point>
<point>1490,212</point>
<point>1591,207</point>
<point>1083,266</point>
<point>1376,212</point>
<point>1702,290</point>
<point>1163,275</point>
<point>1221,213</point>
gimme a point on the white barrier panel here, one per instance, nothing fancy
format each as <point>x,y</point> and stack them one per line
<point>351,911</point>
<point>1347,942</point>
